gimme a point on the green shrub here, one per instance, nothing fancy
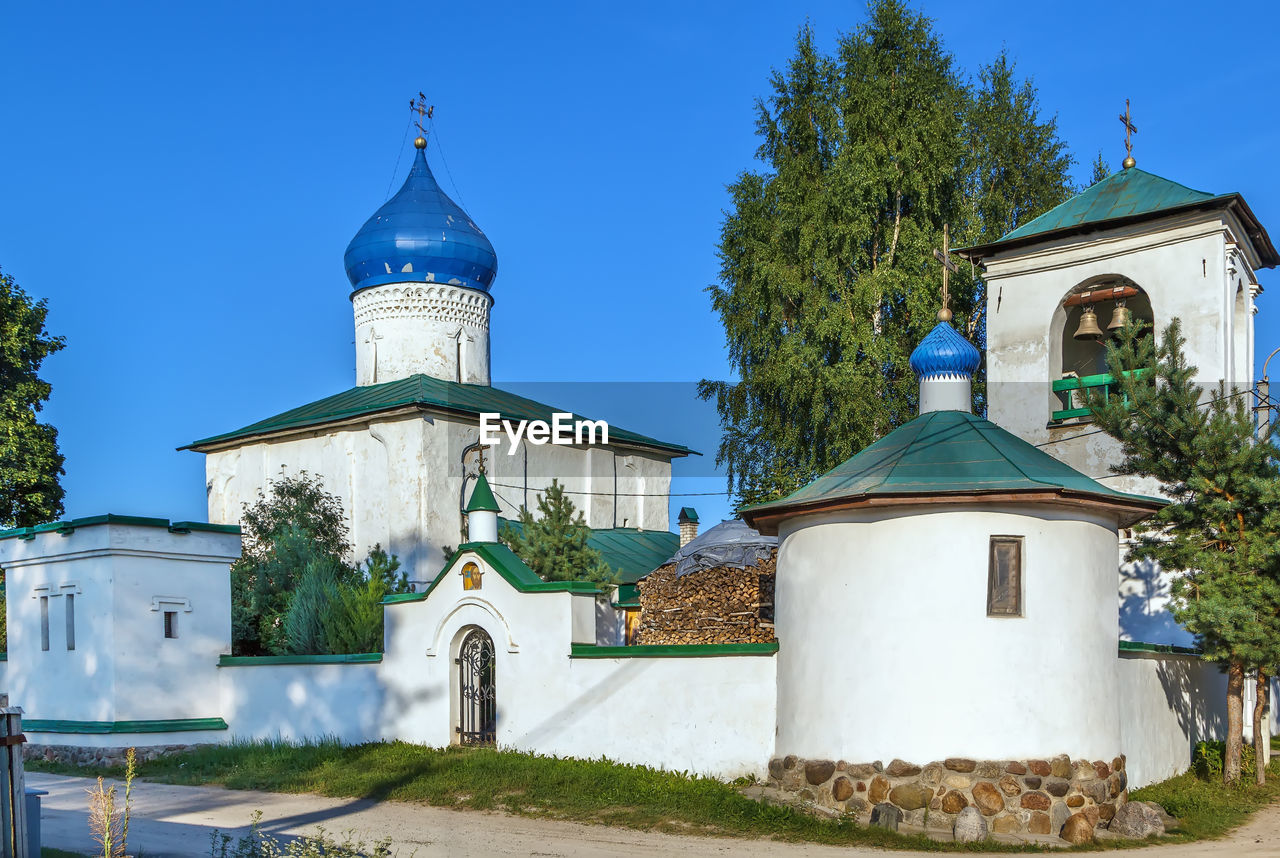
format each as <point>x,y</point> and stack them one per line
<point>1206,762</point>
<point>255,844</point>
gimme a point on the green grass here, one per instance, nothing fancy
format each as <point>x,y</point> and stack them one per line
<point>592,791</point>
<point>1207,809</point>
<point>597,791</point>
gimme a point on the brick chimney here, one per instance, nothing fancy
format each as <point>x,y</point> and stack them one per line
<point>688,525</point>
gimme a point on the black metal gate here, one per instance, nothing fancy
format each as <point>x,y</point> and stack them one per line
<point>477,702</point>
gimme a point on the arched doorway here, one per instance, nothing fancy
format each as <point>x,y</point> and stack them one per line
<point>477,699</point>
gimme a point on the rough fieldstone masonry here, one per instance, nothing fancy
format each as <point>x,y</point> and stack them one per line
<point>1018,796</point>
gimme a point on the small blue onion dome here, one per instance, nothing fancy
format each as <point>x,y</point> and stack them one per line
<point>420,236</point>
<point>944,352</point>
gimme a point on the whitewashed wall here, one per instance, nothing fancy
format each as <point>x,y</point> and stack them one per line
<point>710,716</point>
<point>887,650</point>
<point>123,577</point>
<point>707,715</point>
<point>302,701</point>
<point>400,482</point>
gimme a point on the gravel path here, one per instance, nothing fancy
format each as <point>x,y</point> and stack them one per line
<point>177,821</point>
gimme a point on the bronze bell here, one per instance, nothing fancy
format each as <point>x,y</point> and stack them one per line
<point>1088,329</point>
<point>1121,317</point>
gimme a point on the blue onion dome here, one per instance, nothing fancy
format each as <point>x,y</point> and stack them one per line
<point>945,353</point>
<point>421,236</point>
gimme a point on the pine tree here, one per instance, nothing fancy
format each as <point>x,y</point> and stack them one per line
<point>30,462</point>
<point>1222,525</point>
<point>827,278</point>
<point>554,544</point>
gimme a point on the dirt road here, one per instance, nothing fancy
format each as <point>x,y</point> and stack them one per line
<point>177,822</point>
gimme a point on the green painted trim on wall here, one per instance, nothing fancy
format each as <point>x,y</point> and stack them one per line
<point>1168,649</point>
<point>179,725</point>
<point>266,660</point>
<point>673,651</point>
<point>4,656</point>
<point>397,598</point>
<point>71,525</point>
<point>505,563</point>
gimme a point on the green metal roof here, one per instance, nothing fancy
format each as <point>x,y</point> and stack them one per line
<point>70,525</point>
<point>482,499</point>
<point>688,513</point>
<point>505,563</point>
<point>424,392</point>
<point>629,551</point>
<point>944,453</point>
<point>1127,195</point>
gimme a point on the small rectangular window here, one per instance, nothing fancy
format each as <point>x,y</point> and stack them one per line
<point>71,621</point>
<point>171,624</point>
<point>44,623</point>
<point>1004,577</point>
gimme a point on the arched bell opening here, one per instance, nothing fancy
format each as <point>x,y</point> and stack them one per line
<point>476,694</point>
<point>1088,315</point>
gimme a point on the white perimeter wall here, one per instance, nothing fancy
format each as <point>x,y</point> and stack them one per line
<point>302,701</point>
<point>711,716</point>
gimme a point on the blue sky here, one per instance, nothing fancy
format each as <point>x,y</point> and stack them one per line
<point>181,180</point>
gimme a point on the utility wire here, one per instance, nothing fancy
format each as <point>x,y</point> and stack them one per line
<point>440,148</point>
<point>626,494</point>
<point>399,154</point>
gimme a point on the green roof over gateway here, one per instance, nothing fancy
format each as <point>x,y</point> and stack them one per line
<point>1125,196</point>
<point>940,454</point>
<point>425,393</point>
<point>629,551</point>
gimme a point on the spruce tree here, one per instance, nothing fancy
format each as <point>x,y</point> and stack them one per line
<point>554,544</point>
<point>827,278</point>
<point>1222,526</point>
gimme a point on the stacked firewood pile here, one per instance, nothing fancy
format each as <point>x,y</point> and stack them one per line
<point>710,606</point>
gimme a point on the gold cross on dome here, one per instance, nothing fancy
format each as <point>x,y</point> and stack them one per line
<point>1129,130</point>
<point>948,266</point>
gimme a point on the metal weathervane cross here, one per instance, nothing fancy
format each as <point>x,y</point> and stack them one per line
<point>948,267</point>
<point>419,106</point>
<point>1129,130</point>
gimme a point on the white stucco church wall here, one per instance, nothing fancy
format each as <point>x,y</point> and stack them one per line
<point>904,592</point>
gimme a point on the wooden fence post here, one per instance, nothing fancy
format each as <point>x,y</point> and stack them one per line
<point>13,798</point>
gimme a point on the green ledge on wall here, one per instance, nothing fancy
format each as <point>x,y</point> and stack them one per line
<point>672,650</point>
<point>177,725</point>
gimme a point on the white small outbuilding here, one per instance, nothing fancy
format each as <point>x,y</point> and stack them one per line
<point>948,592</point>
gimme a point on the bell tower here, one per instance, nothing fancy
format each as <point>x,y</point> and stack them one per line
<point>1133,246</point>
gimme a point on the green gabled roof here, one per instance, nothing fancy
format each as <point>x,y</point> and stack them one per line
<point>939,454</point>
<point>423,392</point>
<point>1128,195</point>
<point>505,563</point>
<point>629,551</point>
<point>482,499</point>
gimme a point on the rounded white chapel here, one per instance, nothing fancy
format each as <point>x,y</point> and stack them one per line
<point>950,591</point>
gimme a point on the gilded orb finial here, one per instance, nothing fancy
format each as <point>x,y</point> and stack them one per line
<point>420,143</point>
<point>1129,162</point>
<point>944,315</point>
